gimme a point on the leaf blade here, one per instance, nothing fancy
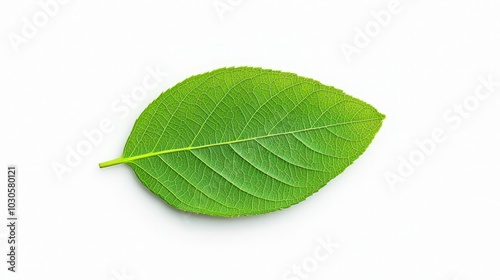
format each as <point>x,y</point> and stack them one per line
<point>207,144</point>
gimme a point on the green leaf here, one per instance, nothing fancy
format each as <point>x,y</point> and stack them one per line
<point>245,141</point>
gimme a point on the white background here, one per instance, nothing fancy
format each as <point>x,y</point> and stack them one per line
<point>441,223</point>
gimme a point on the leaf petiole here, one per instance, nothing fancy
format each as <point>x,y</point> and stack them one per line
<point>109,163</point>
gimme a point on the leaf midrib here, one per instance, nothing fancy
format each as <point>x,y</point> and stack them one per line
<point>122,159</point>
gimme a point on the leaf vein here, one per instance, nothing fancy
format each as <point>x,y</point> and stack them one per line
<point>229,181</point>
